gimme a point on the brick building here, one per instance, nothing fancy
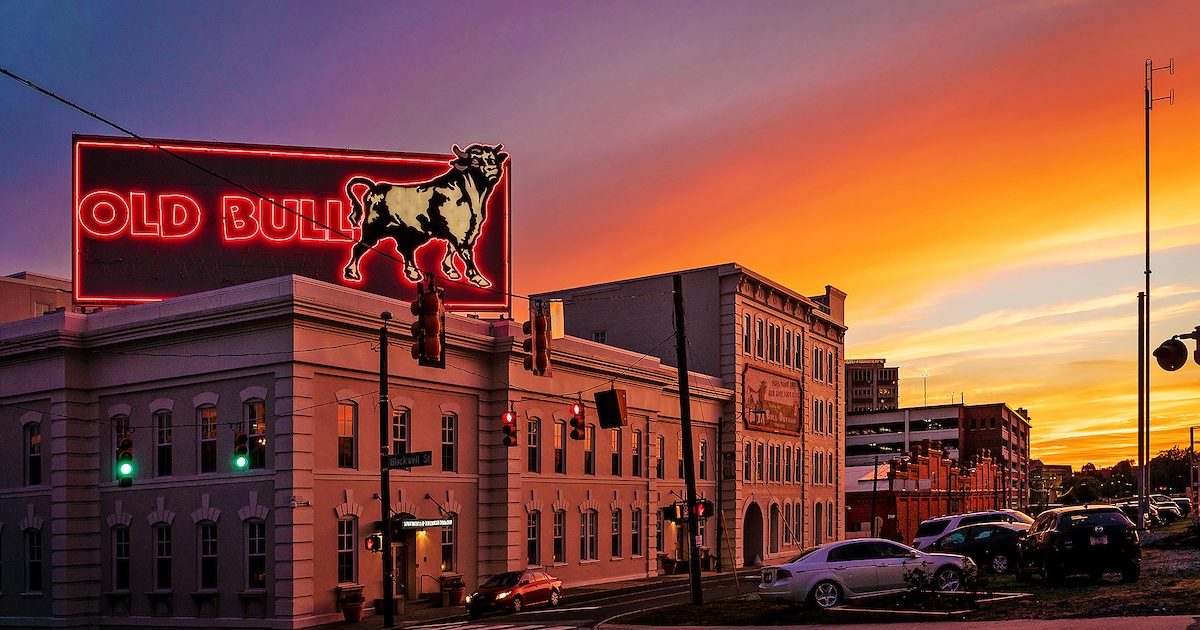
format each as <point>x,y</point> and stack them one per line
<point>782,354</point>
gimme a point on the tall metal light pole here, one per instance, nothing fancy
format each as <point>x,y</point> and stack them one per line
<point>1144,351</point>
<point>385,491</point>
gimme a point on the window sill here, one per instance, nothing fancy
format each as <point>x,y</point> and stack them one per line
<point>159,593</point>
<point>558,564</point>
<point>32,594</point>
<point>205,594</point>
<point>615,558</point>
<point>588,561</point>
<point>255,593</point>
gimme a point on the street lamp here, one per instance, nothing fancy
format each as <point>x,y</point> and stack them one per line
<point>1172,353</point>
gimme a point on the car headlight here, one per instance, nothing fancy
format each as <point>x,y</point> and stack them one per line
<point>504,594</point>
<point>468,600</point>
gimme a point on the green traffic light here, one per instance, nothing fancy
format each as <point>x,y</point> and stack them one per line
<point>240,462</point>
<point>126,468</point>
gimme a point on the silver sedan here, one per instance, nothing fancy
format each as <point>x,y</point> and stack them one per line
<point>831,574</point>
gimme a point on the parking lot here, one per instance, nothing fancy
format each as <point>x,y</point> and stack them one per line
<point>1168,585</point>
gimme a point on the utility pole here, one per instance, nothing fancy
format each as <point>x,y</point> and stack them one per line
<point>685,418</point>
<point>385,490</point>
<point>874,488</point>
<point>1144,358</point>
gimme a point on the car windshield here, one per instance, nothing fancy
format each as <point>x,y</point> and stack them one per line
<point>1106,517</point>
<point>502,580</point>
<point>931,528</point>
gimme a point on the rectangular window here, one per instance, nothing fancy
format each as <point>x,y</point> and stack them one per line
<point>256,433</point>
<point>635,446</point>
<point>560,447</point>
<point>758,338</point>
<point>745,333</point>
<point>589,535</point>
<point>33,561</point>
<point>660,466</point>
<point>816,468</point>
<point>787,464</point>
<point>589,450</point>
<point>829,374</point>
<point>829,428</point>
<point>162,424</point>
<point>560,537</point>
<point>345,550</point>
<point>635,534</point>
<point>616,533</point>
<point>799,352</point>
<point>534,439</point>
<point>532,538</point>
<point>679,455</point>
<point>208,438</point>
<point>400,424</point>
<point>448,535</point>
<point>33,454</point>
<point>616,452</point>
<point>600,336</point>
<point>703,467</point>
<point>162,557</point>
<point>449,445</point>
<point>817,365</point>
<point>747,462</point>
<point>760,462</point>
<point>799,466</point>
<point>787,348</point>
<point>256,555</point>
<point>208,555</point>
<point>787,523</point>
<point>347,423</point>
<point>120,552</point>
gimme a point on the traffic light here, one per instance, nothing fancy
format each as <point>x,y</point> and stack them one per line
<point>510,429</point>
<point>241,451</point>
<point>611,408</point>
<point>429,329</point>
<point>125,460</point>
<point>374,543</point>
<point>538,343</point>
<point>1172,354</point>
<point>704,508</point>
<point>577,421</point>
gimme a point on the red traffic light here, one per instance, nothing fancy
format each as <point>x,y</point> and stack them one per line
<point>538,343</point>
<point>510,429</point>
<point>577,426</point>
<point>429,328</point>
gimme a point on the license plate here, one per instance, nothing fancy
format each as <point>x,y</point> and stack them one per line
<point>1099,540</point>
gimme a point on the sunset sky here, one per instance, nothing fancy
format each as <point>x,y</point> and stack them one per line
<point>970,173</point>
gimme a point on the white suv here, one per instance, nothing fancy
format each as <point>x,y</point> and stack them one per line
<point>931,529</point>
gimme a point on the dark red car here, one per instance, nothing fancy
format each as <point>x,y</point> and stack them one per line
<point>514,591</point>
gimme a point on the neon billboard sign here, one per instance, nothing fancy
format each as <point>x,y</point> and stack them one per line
<point>150,225</point>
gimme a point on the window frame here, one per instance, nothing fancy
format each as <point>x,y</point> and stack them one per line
<point>207,563</point>
<point>617,443</point>
<point>256,552</point>
<point>207,420</point>
<point>533,538</point>
<point>163,561</point>
<point>449,446</point>
<point>32,447</point>
<point>635,445</point>
<point>401,428</point>
<point>347,435</point>
<point>560,447</point>
<point>347,551</point>
<point>635,533</point>
<point>163,443</point>
<point>533,445</point>
<point>559,536</point>
<point>589,449</point>
<point>35,578</point>
<point>449,545</point>
<point>254,419</point>
<point>120,540</point>
<point>589,534</point>
<point>616,546</point>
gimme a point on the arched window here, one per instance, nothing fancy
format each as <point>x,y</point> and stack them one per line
<point>818,508</point>
<point>560,447</point>
<point>533,438</point>
<point>635,447</point>
<point>747,462</point>
<point>787,523</point>
<point>829,520</point>
<point>774,527</point>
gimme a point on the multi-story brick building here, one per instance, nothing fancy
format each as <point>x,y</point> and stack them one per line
<point>782,354</point>
<point>871,385</point>
<point>292,362</point>
<point>963,432</point>
<point>1046,480</point>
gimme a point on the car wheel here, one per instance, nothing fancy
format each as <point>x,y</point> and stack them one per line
<point>1132,573</point>
<point>553,598</point>
<point>516,605</point>
<point>1001,563</point>
<point>948,579</point>
<point>826,594</point>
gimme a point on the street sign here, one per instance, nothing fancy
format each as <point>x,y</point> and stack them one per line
<point>405,460</point>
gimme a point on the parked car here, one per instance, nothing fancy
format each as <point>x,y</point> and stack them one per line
<point>1153,518</point>
<point>1087,539</point>
<point>1166,507</point>
<point>990,545</point>
<point>828,575</point>
<point>931,529</point>
<point>514,591</point>
<point>1184,503</point>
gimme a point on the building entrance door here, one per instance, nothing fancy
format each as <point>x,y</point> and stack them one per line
<point>400,569</point>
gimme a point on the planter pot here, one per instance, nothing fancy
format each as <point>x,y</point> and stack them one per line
<point>353,612</point>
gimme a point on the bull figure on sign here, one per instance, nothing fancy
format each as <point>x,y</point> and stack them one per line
<point>451,207</point>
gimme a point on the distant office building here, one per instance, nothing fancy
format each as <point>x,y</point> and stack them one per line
<point>871,385</point>
<point>965,431</point>
<point>26,294</point>
<point>1045,481</point>
<point>783,355</point>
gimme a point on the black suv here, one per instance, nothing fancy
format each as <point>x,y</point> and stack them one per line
<point>1087,539</point>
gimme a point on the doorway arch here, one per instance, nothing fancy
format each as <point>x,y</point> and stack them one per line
<point>752,536</point>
